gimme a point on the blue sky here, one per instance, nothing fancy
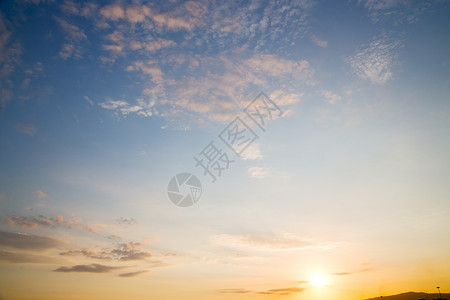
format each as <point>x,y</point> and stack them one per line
<point>102,103</point>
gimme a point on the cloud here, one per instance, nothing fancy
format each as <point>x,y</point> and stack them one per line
<point>137,14</point>
<point>319,42</point>
<point>279,292</point>
<point>258,172</point>
<point>397,11</point>
<point>123,107</point>
<point>73,39</point>
<point>113,12</point>
<point>41,194</point>
<point>229,67</point>
<point>126,221</point>
<point>10,52</point>
<point>172,23</point>
<point>35,221</point>
<point>218,88</point>
<point>132,274</point>
<point>375,61</point>
<point>331,97</point>
<point>350,273</point>
<point>20,257</point>
<point>252,152</point>
<point>69,7</point>
<point>282,98</point>
<point>261,242</point>
<point>123,252</point>
<point>27,241</point>
<point>276,66</point>
<point>27,128</point>
<point>88,100</point>
<point>92,268</point>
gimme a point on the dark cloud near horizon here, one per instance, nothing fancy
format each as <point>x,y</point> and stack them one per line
<point>25,241</point>
<point>132,274</point>
<point>92,268</point>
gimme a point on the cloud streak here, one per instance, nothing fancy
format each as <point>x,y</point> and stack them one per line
<point>279,292</point>
<point>27,241</point>
<point>92,268</point>
<point>20,257</point>
<point>261,242</point>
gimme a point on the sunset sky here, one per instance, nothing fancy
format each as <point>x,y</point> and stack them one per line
<point>342,194</point>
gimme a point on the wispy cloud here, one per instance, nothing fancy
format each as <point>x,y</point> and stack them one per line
<point>74,36</point>
<point>397,11</point>
<point>331,97</point>
<point>375,61</point>
<point>123,252</point>
<point>21,257</point>
<point>258,172</point>
<point>253,152</point>
<point>213,96</point>
<point>10,53</point>
<point>319,42</point>
<point>88,100</point>
<point>27,241</point>
<point>92,268</point>
<point>41,194</point>
<point>132,274</point>
<point>262,242</point>
<point>27,128</point>
<point>217,82</point>
<point>279,291</point>
<point>124,108</point>
<point>126,221</point>
<point>35,221</point>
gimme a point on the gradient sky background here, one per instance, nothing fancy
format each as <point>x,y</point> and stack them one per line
<point>103,102</point>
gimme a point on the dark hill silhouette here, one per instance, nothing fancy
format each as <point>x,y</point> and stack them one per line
<point>413,296</point>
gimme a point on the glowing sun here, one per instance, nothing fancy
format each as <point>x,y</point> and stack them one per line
<point>318,280</point>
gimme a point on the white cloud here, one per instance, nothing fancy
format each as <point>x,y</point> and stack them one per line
<point>114,104</point>
<point>88,100</point>
<point>376,60</point>
<point>331,97</point>
<point>319,42</point>
<point>124,108</point>
<point>258,172</point>
<point>252,152</point>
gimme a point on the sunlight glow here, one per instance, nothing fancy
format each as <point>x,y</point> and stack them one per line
<point>318,280</point>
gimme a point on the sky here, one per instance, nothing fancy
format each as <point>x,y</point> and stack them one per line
<point>224,149</point>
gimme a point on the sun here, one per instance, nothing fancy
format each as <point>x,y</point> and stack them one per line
<point>318,280</point>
